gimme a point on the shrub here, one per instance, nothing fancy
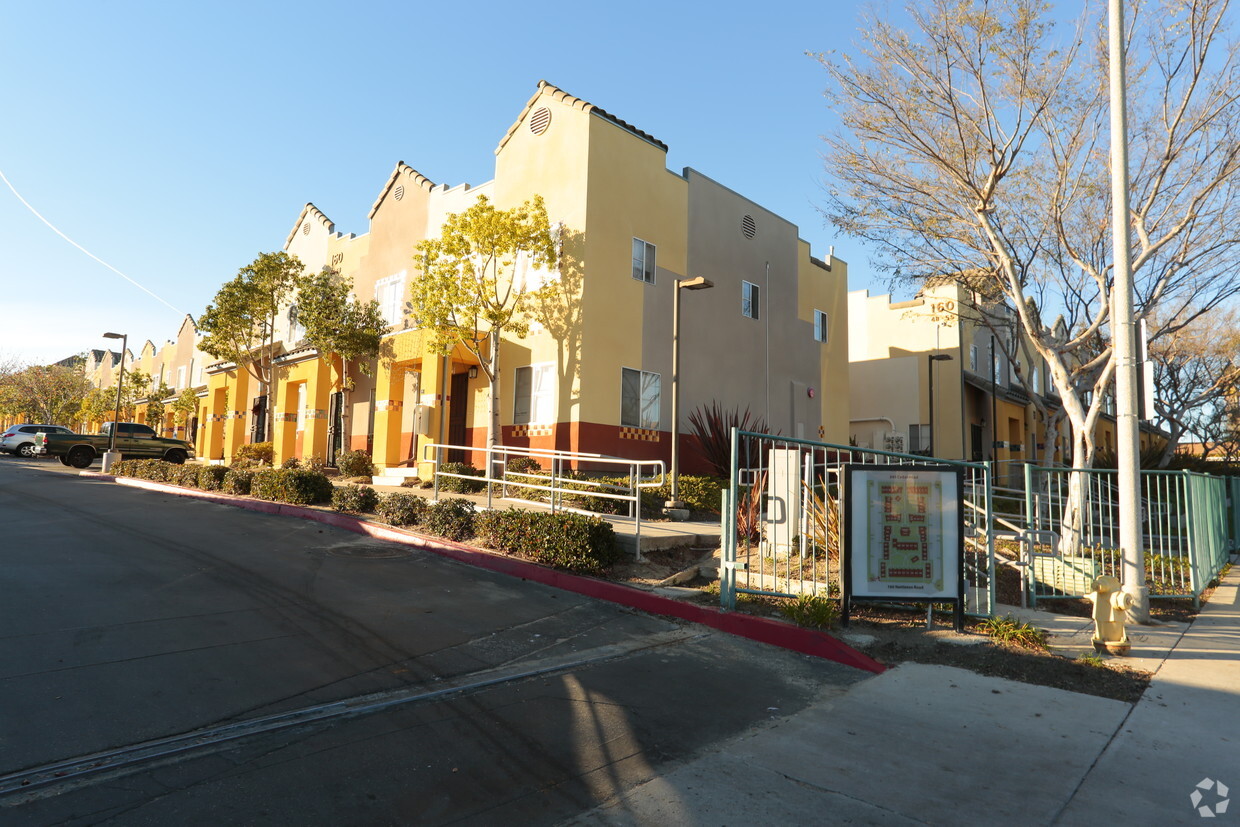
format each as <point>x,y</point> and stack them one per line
<point>412,482</point>
<point>211,477</point>
<point>524,465</point>
<point>237,481</point>
<point>452,518</point>
<point>713,428</point>
<point>399,508</point>
<point>355,464</point>
<point>314,462</point>
<point>812,611</point>
<point>356,498</point>
<point>291,485</point>
<point>575,542</point>
<point>257,453</point>
<point>184,475</point>
<point>291,462</point>
<point>697,493</point>
<point>457,485</point>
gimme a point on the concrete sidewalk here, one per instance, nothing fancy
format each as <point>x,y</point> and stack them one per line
<point>937,745</point>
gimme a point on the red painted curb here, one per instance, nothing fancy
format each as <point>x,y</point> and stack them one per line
<point>761,629</point>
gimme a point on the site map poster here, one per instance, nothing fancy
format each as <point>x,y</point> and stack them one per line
<point>903,532</point>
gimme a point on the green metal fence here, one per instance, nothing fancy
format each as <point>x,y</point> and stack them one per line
<point>1188,523</point>
<point>781,524</point>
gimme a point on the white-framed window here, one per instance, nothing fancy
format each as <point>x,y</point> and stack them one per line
<point>820,326</point>
<point>181,377</point>
<point>749,299</point>
<point>534,394</point>
<point>390,293</point>
<point>639,399</point>
<point>294,323</point>
<point>1037,379</point>
<point>643,261</point>
<point>973,358</point>
<point>997,367</point>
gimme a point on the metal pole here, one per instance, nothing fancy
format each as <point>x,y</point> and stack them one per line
<point>674,502</point>
<point>120,381</point>
<point>930,383</point>
<point>1124,334</point>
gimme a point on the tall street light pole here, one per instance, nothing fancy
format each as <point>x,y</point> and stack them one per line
<point>120,381</point>
<point>1123,331</point>
<point>931,358</point>
<point>699,283</point>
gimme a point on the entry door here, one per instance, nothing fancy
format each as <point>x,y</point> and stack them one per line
<point>458,400</point>
<point>335,427</point>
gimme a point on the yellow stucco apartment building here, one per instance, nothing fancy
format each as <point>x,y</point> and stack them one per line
<point>595,375</point>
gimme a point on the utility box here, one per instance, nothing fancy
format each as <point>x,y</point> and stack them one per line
<point>422,420</point>
<point>782,512</point>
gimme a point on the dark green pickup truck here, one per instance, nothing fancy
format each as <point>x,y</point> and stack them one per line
<point>133,441</point>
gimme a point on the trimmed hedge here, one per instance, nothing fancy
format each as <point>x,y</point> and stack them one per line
<point>574,542</point>
<point>524,465</point>
<point>452,518</point>
<point>211,477</point>
<point>291,485</point>
<point>456,485</point>
<point>355,464</point>
<point>399,508</point>
<point>355,498</point>
<point>237,481</point>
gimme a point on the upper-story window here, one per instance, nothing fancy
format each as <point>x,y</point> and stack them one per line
<point>180,377</point>
<point>973,358</point>
<point>749,299</point>
<point>643,261</point>
<point>820,326</point>
<point>294,324</point>
<point>389,292</point>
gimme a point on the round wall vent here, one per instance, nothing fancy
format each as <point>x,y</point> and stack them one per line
<point>305,228</point>
<point>399,192</point>
<point>748,227</point>
<point>540,120</point>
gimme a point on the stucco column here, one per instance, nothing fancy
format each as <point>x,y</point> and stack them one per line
<point>432,397</point>
<point>236,427</point>
<point>389,402</point>
<point>318,406</point>
<point>214,419</point>
<point>284,440</point>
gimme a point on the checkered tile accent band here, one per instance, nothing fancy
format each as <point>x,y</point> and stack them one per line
<point>287,417</point>
<point>640,434</point>
<point>389,405</point>
<point>822,432</point>
<point>533,430</point>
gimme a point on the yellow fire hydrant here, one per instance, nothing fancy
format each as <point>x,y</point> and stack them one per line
<point>1110,607</point>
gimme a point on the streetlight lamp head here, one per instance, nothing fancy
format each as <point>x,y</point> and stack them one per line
<point>941,357</point>
<point>699,283</point>
<point>113,336</point>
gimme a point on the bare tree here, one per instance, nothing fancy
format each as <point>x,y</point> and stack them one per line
<point>974,145</point>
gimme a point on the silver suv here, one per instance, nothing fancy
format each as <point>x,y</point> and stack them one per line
<point>19,439</point>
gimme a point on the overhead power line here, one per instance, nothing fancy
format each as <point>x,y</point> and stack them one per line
<point>57,231</point>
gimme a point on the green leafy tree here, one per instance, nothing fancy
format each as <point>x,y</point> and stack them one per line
<point>50,394</point>
<point>183,408</point>
<point>338,325</point>
<point>239,325</point>
<point>476,286</point>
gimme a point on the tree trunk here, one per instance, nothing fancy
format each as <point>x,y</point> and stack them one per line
<point>494,434</point>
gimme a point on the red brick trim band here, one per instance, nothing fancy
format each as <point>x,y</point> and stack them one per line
<point>761,629</point>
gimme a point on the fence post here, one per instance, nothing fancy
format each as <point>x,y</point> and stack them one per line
<point>727,563</point>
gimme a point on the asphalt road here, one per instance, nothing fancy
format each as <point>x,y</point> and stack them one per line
<point>170,661</point>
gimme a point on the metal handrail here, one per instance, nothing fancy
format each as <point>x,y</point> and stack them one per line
<point>642,474</point>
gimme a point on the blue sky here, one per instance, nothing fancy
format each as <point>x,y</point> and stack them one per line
<point>176,141</point>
